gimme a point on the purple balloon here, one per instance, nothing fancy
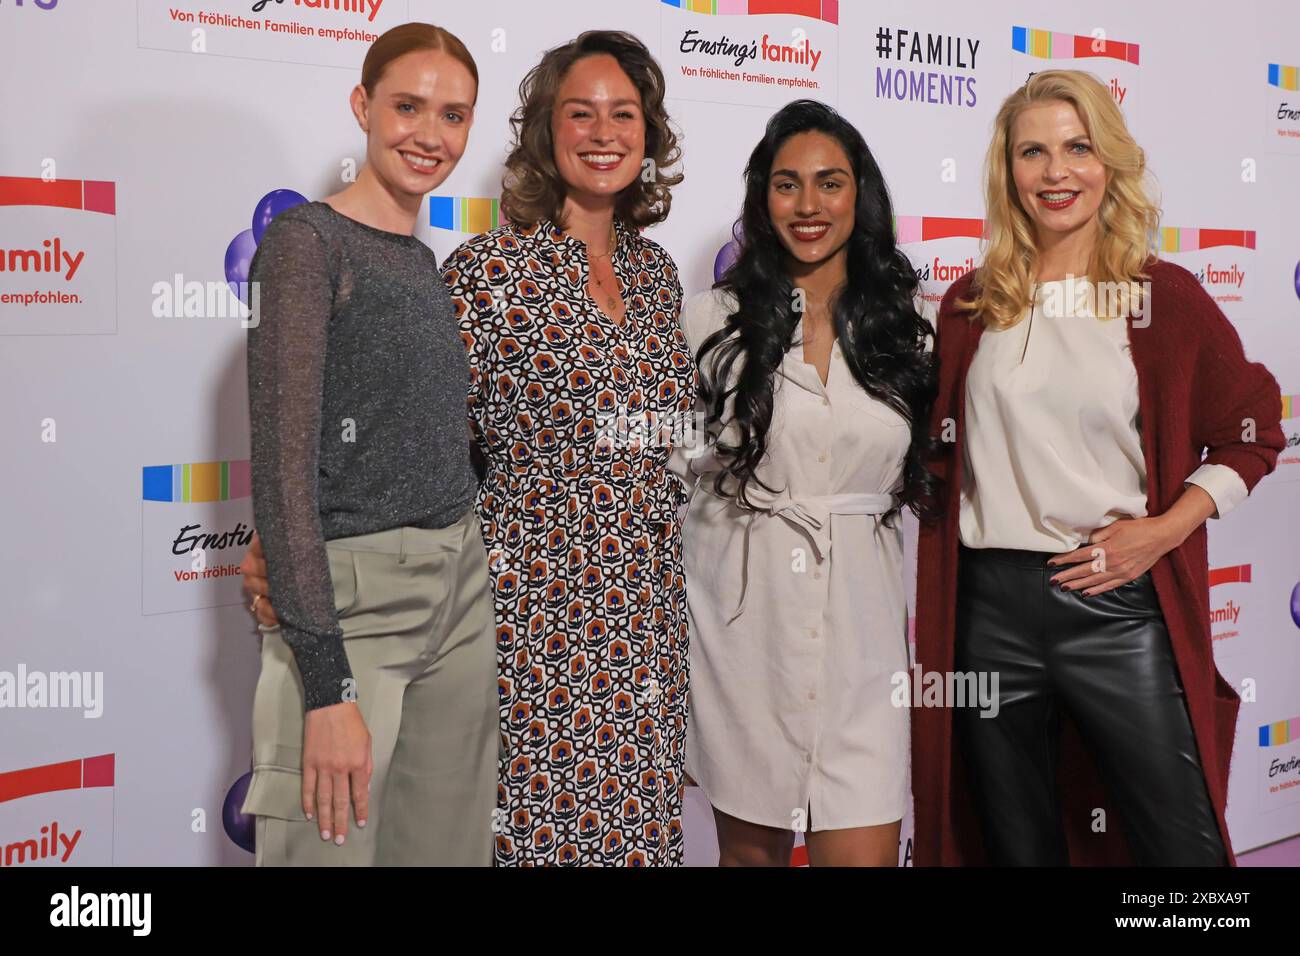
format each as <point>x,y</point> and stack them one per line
<point>728,254</point>
<point>1297,278</point>
<point>1295,605</point>
<point>240,827</point>
<point>270,206</point>
<point>726,257</point>
<point>239,255</point>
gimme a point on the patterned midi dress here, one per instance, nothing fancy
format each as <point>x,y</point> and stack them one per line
<point>576,417</point>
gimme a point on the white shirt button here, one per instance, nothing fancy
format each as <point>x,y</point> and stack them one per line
<point>826,401</point>
<point>821,457</point>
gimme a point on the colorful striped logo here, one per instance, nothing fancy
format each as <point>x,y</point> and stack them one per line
<point>1238,574</point>
<point>1049,45</point>
<point>1177,239</point>
<point>201,481</point>
<point>1284,77</point>
<point>924,228</point>
<point>1282,732</point>
<point>1291,406</point>
<point>89,194</point>
<point>464,214</point>
<point>69,775</point>
<point>828,10</point>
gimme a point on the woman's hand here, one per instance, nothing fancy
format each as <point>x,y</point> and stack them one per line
<point>336,767</point>
<point>1126,549</point>
<point>256,587</point>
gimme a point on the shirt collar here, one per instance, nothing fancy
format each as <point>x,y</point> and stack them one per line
<point>547,231</point>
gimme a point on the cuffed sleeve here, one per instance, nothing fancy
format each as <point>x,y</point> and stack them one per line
<point>1222,484</point>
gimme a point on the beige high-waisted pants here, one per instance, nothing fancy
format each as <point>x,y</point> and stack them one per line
<point>416,610</point>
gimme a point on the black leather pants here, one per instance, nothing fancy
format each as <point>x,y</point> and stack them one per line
<point>1106,660</point>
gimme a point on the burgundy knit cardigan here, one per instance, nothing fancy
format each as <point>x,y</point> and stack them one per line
<point>1195,387</point>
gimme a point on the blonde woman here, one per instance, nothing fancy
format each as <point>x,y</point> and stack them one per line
<point>1085,379</point>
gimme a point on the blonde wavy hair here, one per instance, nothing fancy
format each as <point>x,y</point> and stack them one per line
<point>1128,216</point>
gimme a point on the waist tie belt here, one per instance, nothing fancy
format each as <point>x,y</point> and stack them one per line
<point>812,513</point>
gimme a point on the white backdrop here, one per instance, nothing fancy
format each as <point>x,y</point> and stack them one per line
<point>124,415</point>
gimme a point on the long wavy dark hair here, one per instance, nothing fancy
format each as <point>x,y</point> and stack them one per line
<point>882,336</point>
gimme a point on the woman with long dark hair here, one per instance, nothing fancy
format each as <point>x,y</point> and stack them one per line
<point>816,384</point>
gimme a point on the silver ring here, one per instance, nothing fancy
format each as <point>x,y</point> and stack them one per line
<point>253,607</point>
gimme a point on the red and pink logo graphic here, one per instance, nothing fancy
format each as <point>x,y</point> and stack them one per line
<point>58,814</point>
<point>1222,259</point>
<point>1224,618</point>
<point>58,262</point>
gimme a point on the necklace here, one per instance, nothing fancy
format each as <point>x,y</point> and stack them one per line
<point>611,297</point>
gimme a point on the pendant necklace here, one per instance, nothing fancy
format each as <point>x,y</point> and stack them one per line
<point>611,298</point>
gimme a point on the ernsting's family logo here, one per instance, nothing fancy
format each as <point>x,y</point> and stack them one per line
<point>753,53</point>
<point>1223,261</point>
<point>197,521</point>
<point>1224,617</point>
<point>942,249</point>
<point>1115,63</point>
<point>58,255</point>
<point>369,7</point>
<point>1282,107</point>
<point>763,48</point>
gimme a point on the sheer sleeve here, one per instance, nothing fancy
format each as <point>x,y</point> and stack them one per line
<point>286,362</point>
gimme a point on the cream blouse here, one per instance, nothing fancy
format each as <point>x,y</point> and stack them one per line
<point>1053,446</point>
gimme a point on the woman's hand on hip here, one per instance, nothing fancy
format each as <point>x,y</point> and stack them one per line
<point>1114,555</point>
<point>1125,550</point>
<point>336,767</point>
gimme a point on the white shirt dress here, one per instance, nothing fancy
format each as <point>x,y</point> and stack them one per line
<point>798,620</point>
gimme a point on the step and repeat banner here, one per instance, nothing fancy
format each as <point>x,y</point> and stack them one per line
<point>147,142</point>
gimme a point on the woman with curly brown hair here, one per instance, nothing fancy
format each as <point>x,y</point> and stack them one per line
<point>580,375</point>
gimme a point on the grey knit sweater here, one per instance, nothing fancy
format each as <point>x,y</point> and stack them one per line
<point>357,384</point>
